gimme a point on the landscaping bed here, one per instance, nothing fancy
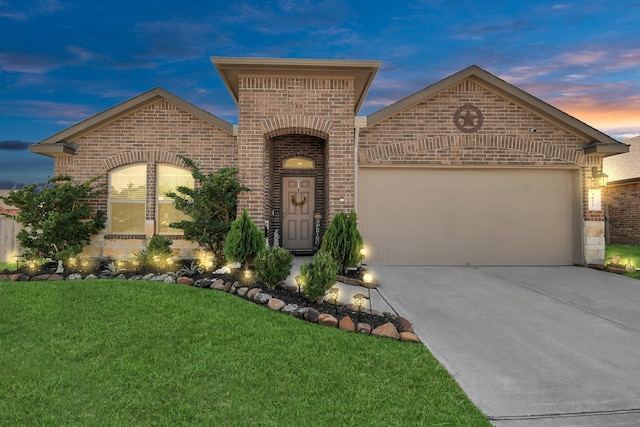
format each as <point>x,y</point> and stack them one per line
<point>281,298</point>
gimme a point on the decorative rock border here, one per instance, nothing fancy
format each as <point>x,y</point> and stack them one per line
<point>258,296</point>
<point>613,268</point>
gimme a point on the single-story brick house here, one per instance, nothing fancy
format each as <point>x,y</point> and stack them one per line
<point>622,196</point>
<point>468,171</point>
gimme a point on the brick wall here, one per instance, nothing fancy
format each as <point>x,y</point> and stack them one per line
<point>270,107</point>
<point>154,134</point>
<point>288,146</point>
<point>425,134</point>
<point>623,203</point>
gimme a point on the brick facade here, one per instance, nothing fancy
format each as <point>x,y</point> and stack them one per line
<point>270,107</point>
<point>623,213</point>
<point>296,110</point>
<point>154,134</point>
<point>425,135</point>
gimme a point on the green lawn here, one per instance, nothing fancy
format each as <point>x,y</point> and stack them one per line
<point>113,353</point>
<point>628,254</point>
<point>8,265</point>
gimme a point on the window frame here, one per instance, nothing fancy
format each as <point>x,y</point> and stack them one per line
<point>111,201</point>
<point>159,202</point>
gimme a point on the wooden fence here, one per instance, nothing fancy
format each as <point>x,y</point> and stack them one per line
<point>9,246</point>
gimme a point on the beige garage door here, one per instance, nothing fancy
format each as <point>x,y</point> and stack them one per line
<point>416,216</point>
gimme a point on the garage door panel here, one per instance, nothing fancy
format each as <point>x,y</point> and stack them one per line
<point>467,216</point>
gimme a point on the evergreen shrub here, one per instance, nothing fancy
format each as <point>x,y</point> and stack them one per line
<point>273,265</point>
<point>343,241</point>
<point>244,240</point>
<point>318,276</point>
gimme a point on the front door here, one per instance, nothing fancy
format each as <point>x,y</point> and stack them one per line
<point>298,203</point>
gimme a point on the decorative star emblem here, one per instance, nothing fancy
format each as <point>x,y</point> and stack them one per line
<point>468,118</point>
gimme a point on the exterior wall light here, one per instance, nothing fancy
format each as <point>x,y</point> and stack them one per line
<point>602,177</point>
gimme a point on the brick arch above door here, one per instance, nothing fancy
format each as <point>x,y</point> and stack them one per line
<point>297,124</point>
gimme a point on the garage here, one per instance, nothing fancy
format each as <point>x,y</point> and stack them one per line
<point>469,216</point>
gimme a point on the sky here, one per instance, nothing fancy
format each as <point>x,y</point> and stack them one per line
<point>62,61</point>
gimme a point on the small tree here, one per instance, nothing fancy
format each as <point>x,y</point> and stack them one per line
<point>318,276</point>
<point>244,240</point>
<point>58,219</point>
<point>273,265</point>
<point>212,206</point>
<point>343,241</point>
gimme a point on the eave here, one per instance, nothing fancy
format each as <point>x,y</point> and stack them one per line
<point>605,149</point>
<point>363,72</point>
<point>54,150</point>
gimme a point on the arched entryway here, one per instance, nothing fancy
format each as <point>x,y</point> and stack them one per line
<point>296,191</point>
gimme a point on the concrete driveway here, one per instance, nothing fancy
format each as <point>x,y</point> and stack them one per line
<point>531,346</point>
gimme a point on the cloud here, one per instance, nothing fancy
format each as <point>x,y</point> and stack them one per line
<point>14,145</point>
<point>18,168</point>
<point>178,39</point>
<point>27,63</point>
<point>289,16</point>
<point>81,56</point>
<point>29,11</point>
<point>47,110</point>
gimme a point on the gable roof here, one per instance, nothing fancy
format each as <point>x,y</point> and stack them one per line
<point>362,71</point>
<point>626,166</point>
<point>596,141</point>
<point>59,144</point>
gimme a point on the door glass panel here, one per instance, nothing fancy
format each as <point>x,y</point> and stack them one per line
<point>298,163</point>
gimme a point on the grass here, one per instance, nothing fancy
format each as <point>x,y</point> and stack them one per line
<point>629,254</point>
<point>8,265</point>
<point>110,352</point>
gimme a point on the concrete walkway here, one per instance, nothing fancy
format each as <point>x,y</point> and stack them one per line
<point>345,296</point>
<point>545,346</point>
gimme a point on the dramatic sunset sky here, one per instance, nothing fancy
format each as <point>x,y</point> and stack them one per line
<point>62,61</point>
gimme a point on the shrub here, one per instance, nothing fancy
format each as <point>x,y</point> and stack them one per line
<point>318,276</point>
<point>191,270</point>
<point>57,219</point>
<point>112,270</point>
<point>159,246</point>
<point>212,206</point>
<point>343,241</point>
<point>244,240</point>
<point>273,265</point>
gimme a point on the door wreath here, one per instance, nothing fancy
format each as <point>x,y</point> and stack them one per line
<point>295,202</point>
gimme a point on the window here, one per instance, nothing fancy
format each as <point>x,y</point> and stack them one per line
<point>169,179</point>
<point>127,196</point>
<point>297,163</point>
